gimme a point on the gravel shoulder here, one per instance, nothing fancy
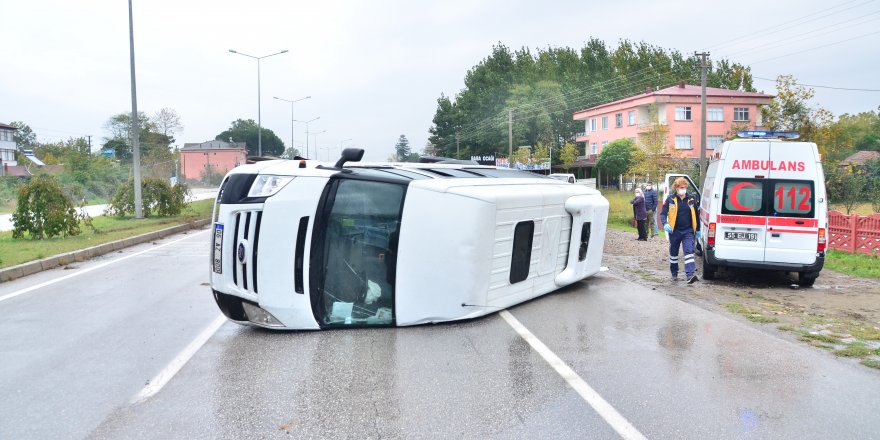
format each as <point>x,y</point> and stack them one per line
<point>840,313</point>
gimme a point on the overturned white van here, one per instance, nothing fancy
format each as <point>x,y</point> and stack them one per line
<point>303,245</point>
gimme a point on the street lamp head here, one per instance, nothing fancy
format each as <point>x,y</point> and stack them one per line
<point>232,51</point>
<point>284,51</point>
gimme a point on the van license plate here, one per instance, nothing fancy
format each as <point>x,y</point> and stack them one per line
<point>218,248</point>
<point>741,236</point>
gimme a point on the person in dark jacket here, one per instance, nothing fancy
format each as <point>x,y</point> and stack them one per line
<point>679,217</point>
<point>640,214</point>
<point>651,200</point>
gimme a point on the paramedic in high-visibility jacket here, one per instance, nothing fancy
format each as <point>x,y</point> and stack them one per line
<point>679,218</point>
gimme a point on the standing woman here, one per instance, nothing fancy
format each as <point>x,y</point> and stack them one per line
<point>640,214</point>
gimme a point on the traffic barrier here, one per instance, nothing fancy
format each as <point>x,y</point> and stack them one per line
<point>854,233</point>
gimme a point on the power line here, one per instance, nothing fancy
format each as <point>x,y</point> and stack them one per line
<point>763,32</point>
<point>812,34</point>
<point>815,48</point>
<point>823,87</point>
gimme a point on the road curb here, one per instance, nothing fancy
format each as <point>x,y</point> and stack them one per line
<point>32,267</point>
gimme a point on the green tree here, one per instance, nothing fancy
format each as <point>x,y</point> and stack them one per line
<point>151,142</point>
<point>247,131</point>
<point>402,149</point>
<point>44,210</point>
<point>617,157</point>
<point>159,198</point>
<point>568,155</point>
<point>290,153</point>
<point>543,87</point>
<point>167,121</point>
<point>24,137</point>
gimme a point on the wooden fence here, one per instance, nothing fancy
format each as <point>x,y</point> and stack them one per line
<point>854,233</point>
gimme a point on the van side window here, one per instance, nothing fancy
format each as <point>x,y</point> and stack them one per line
<point>522,251</point>
<point>743,197</point>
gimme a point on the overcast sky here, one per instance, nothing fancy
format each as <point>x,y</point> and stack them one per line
<point>375,68</point>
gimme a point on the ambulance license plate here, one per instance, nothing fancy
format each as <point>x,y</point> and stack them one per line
<point>741,236</point>
<point>218,248</point>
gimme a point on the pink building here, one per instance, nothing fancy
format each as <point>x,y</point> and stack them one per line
<point>678,108</point>
<point>218,156</point>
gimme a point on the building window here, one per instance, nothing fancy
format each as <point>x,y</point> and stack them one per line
<point>683,142</point>
<point>594,147</point>
<point>713,142</point>
<point>593,124</point>
<point>604,122</point>
<point>632,117</point>
<point>683,113</point>
<point>715,114</point>
<point>604,143</point>
<point>522,251</point>
<point>618,120</point>
<point>741,114</point>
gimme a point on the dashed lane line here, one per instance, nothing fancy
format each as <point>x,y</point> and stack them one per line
<point>156,383</point>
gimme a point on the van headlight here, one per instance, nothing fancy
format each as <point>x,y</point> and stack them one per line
<point>267,185</point>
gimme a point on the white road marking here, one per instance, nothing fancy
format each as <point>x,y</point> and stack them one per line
<point>156,383</point>
<point>96,267</point>
<point>614,418</point>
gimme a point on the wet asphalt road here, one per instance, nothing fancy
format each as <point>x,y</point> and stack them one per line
<point>74,354</point>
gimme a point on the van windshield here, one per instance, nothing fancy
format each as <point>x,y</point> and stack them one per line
<point>359,246</point>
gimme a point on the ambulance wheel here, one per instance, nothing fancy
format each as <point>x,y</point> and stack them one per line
<point>806,279</point>
<point>709,271</point>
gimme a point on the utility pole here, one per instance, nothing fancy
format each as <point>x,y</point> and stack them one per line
<point>457,148</point>
<point>135,126</point>
<point>509,137</point>
<point>704,67</point>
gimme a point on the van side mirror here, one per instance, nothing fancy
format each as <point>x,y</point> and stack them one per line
<point>349,155</point>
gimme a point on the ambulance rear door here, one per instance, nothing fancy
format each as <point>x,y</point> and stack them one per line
<point>792,227</point>
<point>741,225</point>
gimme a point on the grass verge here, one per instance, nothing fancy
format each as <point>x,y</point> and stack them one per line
<point>865,266</point>
<point>750,314</point>
<point>107,229</point>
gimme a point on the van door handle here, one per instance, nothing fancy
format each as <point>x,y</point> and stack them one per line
<point>775,235</point>
<point>799,222</point>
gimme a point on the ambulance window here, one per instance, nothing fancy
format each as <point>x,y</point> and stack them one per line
<point>743,196</point>
<point>793,198</point>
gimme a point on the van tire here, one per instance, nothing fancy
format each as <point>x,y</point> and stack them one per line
<point>709,270</point>
<point>806,279</point>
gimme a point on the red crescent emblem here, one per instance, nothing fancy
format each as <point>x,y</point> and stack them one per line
<point>734,195</point>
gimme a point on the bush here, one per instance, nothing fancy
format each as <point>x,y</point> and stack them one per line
<point>158,196</point>
<point>44,210</point>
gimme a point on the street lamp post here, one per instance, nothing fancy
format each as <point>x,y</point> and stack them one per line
<point>315,134</point>
<point>307,132</point>
<point>340,146</point>
<point>259,121</point>
<point>291,114</point>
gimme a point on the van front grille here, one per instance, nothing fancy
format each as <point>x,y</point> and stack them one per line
<point>245,246</point>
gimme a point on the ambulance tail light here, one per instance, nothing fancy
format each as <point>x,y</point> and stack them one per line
<point>710,237</point>
<point>820,245</point>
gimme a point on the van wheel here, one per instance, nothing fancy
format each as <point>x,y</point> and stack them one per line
<point>806,279</point>
<point>709,270</point>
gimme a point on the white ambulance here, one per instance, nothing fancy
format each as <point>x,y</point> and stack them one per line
<point>764,206</point>
<point>300,244</point>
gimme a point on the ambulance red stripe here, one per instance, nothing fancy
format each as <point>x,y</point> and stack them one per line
<point>796,222</point>
<point>742,219</point>
<point>794,231</point>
